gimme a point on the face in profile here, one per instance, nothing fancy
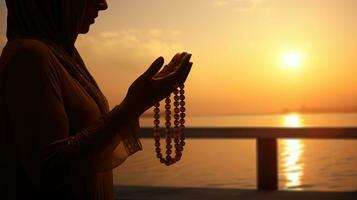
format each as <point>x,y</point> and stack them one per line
<point>91,12</point>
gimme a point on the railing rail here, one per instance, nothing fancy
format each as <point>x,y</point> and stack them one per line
<point>267,148</point>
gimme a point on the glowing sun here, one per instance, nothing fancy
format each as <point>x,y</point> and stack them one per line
<point>292,60</point>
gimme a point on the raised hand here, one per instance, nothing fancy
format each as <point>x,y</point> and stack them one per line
<point>154,85</point>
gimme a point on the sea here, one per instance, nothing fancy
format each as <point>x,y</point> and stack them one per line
<point>304,164</point>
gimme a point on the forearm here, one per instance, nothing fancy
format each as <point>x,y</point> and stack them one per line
<point>91,149</point>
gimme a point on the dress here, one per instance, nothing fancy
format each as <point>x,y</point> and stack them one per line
<point>56,142</point>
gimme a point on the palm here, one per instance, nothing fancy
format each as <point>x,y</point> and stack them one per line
<point>154,85</point>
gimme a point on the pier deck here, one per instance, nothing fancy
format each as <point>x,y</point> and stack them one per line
<point>162,193</point>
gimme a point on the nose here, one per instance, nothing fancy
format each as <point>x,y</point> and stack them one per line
<point>102,5</point>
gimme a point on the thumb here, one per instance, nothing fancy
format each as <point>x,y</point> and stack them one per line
<point>154,68</point>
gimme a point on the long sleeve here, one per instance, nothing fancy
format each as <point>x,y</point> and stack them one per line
<point>41,130</point>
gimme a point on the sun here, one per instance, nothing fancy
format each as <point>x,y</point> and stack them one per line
<point>292,60</point>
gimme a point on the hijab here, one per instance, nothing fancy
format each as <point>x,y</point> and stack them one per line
<point>56,23</point>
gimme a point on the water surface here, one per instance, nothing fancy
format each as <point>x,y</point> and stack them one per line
<point>324,165</point>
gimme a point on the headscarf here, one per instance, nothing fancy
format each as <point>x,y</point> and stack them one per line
<point>57,23</point>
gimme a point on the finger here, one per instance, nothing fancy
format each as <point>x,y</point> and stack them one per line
<point>186,73</point>
<point>180,75</point>
<point>177,59</point>
<point>181,69</point>
<point>172,66</point>
<point>185,60</point>
<point>154,68</point>
<point>173,63</point>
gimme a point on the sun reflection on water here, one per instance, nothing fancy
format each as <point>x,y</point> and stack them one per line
<point>292,120</point>
<point>291,153</point>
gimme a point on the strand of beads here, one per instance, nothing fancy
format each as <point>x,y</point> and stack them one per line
<point>176,132</point>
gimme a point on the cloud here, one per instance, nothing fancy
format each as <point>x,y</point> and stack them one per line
<point>221,2</point>
<point>126,44</point>
<point>240,5</point>
<point>155,32</point>
<point>123,44</point>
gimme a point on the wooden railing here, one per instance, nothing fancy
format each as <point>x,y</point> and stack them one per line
<point>267,148</point>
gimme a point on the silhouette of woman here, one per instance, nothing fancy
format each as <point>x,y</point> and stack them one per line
<point>58,138</point>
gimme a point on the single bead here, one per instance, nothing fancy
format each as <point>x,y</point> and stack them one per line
<point>176,103</point>
<point>157,110</point>
<point>176,123</point>
<point>157,144</point>
<point>176,91</point>
<point>182,92</point>
<point>183,144</point>
<point>162,160</point>
<point>182,109</point>
<point>157,105</point>
<point>182,86</point>
<point>182,103</point>
<point>177,115</point>
<point>176,140</point>
<point>176,98</point>
<point>177,110</point>
<point>182,97</point>
<point>167,124</point>
<point>167,106</point>
<point>167,100</point>
<point>158,150</point>
<point>168,146</point>
<point>159,155</point>
<point>168,117</point>
<point>157,116</point>
<point>168,140</point>
<point>182,115</point>
<point>168,112</point>
<point>182,121</point>
<point>169,152</point>
<point>168,158</point>
<point>156,122</point>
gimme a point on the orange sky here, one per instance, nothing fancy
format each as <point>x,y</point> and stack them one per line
<point>237,48</point>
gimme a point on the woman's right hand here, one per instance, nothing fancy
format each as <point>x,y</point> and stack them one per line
<point>155,85</point>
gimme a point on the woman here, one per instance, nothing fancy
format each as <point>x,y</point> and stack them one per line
<point>58,138</point>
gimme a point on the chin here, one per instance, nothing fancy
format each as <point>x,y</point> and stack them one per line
<point>84,30</point>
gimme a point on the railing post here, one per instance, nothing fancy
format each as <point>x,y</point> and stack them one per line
<point>267,164</point>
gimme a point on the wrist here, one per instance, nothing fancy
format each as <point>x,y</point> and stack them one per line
<point>129,109</point>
